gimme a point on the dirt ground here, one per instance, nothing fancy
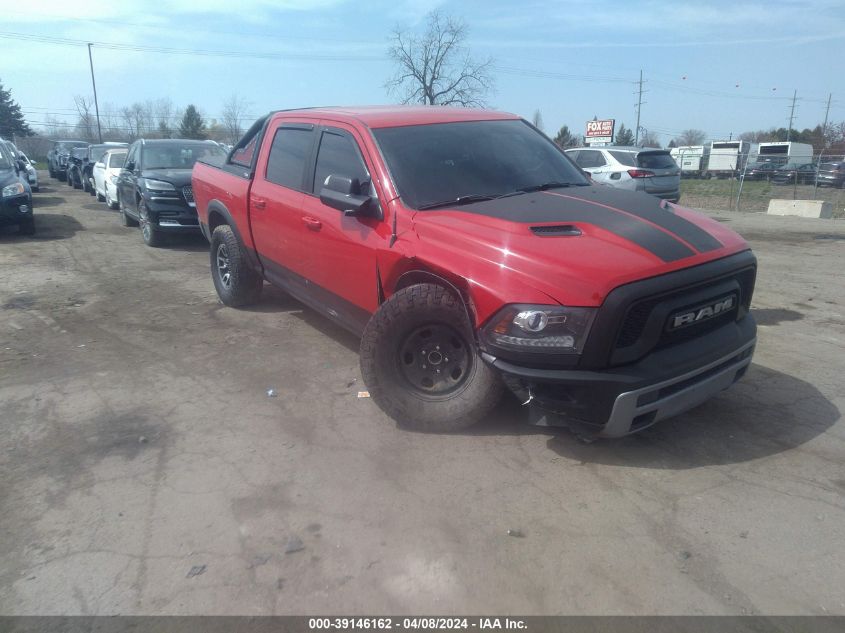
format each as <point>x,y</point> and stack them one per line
<point>145,470</point>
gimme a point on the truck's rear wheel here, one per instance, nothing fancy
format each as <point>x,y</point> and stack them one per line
<point>237,284</point>
<point>420,363</point>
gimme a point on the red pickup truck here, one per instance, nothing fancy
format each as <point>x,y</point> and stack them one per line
<point>469,252</point>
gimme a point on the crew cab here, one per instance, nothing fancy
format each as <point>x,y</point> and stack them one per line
<point>154,186</point>
<point>469,252</point>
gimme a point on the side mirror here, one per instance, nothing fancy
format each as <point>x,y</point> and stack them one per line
<point>344,194</point>
<point>130,166</point>
<point>21,166</point>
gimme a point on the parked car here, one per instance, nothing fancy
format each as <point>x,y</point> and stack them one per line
<point>792,173</point>
<point>95,153</point>
<point>467,250</point>
<point>652,171</point>
<point>16,200</point>
<point>105,174</point>
<point>760,171</point>
<point>31,172</point>
<point>58,162</point>
<point>154,186</point>
<point>832,174</point>
<point>75,165</point>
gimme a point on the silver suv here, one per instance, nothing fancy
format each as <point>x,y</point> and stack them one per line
<point>653,171</point>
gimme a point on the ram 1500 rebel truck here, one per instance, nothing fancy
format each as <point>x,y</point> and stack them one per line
<point>469,252</point>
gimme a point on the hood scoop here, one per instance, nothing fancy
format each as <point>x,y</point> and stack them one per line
<point>557,230</point>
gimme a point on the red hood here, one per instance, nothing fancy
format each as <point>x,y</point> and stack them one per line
<point>623,237</point>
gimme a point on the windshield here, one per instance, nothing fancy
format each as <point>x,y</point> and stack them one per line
<point>173,156</point>
<point>66,146</point>
<point>446,161</point>
<point>117,159</point>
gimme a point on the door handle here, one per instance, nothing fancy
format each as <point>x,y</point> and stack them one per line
<point>258,203</point>
<point>312,223</point>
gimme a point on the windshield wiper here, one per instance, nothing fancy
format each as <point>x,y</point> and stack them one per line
<point>543,187</point>
<point>468,199</point>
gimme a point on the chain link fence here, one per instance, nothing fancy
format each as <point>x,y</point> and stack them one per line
<point>751,188</point>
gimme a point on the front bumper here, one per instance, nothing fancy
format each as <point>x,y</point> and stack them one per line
<point>15,210</point>
<point>172,215</point>
<point>623,400</point>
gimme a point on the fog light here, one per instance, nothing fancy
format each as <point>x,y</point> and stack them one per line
<point>23,208</point>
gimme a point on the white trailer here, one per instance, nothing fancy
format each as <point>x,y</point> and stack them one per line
<point>728,157</point>
<point>692,159</point>
<point>784,152</point>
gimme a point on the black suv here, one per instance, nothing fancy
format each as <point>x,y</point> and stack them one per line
<point>75,165</point>
<point>154,186</point>
<point>58,162</point>
<point>16,200</point>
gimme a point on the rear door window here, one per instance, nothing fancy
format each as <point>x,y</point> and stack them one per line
<point>288,155</point>
<point>590,158</point>
<point>338,155</point>
<point>655,160</point>
<point>626,158</point>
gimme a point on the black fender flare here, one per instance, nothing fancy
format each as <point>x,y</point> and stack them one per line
<point>217,207</point>
<point>418,275</point>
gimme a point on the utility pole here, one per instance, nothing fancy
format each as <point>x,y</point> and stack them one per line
<point>639,107</point>
<point>791,116</point>
<point>826,113</point>
<point>94,84</point>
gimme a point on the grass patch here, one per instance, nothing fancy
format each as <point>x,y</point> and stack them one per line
<point>719,194</point>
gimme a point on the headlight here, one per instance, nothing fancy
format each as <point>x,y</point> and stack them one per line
<point>15,189</point>
<point>540,329</point>
<point>158,185</point>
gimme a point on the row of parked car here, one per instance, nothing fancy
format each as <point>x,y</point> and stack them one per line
<point>148,182</point>
<point>830,174</point>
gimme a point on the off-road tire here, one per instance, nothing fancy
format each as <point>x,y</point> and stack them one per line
<point>404,313</point>
<point>243,285</point>
<point>77,182</point>
<point>100,197</point>
<point>62,177</point>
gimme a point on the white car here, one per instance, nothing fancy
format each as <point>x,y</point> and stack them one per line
<point>105,171</point>
<point>31,172</point>
<point>653,171</point>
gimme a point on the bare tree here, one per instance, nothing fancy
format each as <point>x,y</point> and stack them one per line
<point>435,67</point>
<point>164,116</point>
<point>691,137</point>
<point>537,120</point>
<point>86,124</point>
<point>234,111</point>
<point>649,139</point>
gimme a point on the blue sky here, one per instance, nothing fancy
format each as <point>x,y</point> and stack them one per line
<point>723,67</point>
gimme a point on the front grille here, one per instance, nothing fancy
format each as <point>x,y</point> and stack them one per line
<point>188,192</point>
<point>644,325</point>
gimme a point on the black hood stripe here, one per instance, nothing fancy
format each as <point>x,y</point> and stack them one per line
<point>648,208</point>
<point>542,207</point>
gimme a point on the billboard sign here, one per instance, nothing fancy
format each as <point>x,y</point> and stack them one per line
<point>600,132</point>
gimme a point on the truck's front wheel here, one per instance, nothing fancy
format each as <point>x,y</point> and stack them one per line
<point>420,363</point>
<point>237,284</point>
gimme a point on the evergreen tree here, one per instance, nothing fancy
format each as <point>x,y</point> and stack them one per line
<point>565,139</point>
<point>624,136</point>
<point>11,117</point>
<point>192,125</point>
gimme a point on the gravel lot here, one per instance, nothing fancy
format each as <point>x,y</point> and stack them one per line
<point>144,469</point>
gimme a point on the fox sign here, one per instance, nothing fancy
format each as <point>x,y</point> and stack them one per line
<point>600,131</point>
